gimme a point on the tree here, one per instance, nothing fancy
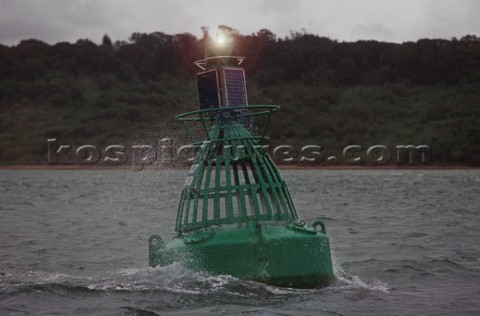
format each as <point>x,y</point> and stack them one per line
<point>106,41</point>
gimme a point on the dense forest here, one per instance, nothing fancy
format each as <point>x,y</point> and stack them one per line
<point>332,93</point>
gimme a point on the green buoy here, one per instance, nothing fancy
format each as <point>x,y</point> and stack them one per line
<point>236,216</point>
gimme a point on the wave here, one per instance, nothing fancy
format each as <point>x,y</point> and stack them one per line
<point>174,278</point>
<point>353,282</point>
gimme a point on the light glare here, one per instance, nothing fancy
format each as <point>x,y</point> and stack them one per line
<point>221,38</point>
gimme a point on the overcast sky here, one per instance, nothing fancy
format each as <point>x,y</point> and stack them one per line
<point>384,20</point>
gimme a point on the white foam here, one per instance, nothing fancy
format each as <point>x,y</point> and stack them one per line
<point>355,282</point>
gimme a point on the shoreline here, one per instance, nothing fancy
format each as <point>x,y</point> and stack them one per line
<point>432,166</point>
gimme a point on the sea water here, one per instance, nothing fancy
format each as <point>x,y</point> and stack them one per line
<point>404,242</point>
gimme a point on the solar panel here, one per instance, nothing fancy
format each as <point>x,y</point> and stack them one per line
<point>236,94</point>
<point>207,84</point>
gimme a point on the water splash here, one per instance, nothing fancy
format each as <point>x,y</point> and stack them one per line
<point>345,281</point>
<point>174,278</point>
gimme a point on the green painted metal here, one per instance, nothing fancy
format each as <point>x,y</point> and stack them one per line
<point>257,192</point>
<point>236,215</point>
<point>266,252</point>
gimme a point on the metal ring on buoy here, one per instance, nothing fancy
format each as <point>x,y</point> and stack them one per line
<point>156,241</point>
<point>322,225</point>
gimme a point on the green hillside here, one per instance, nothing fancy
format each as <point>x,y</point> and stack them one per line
<point>332,94</point>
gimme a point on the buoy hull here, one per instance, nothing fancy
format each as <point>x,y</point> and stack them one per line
<point>283,255</point>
